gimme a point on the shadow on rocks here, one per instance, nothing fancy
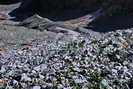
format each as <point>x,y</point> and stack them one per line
<point>66,14</point>
<point>103,24</point>
<point>28,8</point>
<point>7,2</point>
<point>112,23</point>
<point>18,16</point>
<point>61,15</point>
<point>24,11</point>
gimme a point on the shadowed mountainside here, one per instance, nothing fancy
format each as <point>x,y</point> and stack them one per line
<point>112,23</point>
<point>103,24</point>
<point>9,1</point>
<point>58,10</point>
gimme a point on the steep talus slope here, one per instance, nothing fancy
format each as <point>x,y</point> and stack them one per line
<point>39,53</point>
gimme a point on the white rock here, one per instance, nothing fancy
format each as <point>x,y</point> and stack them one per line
<point>60,86</point>
<point>114,70</point>
<point>41,76</point>
<point>78,81</point>
<point>20,52</point>
<point>44,67</point>
<point>105,83</point>
<point>36,87</point>
<point>3,69</point>
<point>25,77</point>
<point>37,68</point>
<point>130,65</point>
<point>77,69</point>
<point>14,82</point>
<point>125,63</point>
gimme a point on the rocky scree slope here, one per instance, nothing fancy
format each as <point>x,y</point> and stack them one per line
<point>72,57</point>
<point>81,63</point>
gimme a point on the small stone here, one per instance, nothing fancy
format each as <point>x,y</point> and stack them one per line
<point>25,78</point>
<point>37,68</point>
<point>43,86</point>
<point>41,76</point>
<point>78,81</point>
<point>60,86</point>
<point>3,69</point>
<point>114,70</point>
<point>128,31</point>
<point>125,63</point>
<point>118,56</point>
<point>36,87</point>
<point>130,65</point>
<point>49,85</point>
<point>104,82</point>
<point>14,82</point>
<point>76,69</point>
<point>20,52</point>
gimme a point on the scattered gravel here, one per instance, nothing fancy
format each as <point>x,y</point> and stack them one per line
<point>81,63</point>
